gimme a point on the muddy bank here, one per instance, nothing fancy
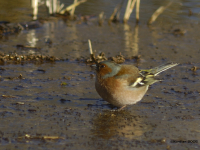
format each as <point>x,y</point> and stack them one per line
<point>38,105</point>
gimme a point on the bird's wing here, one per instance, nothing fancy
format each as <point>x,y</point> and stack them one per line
<point>128,73</point>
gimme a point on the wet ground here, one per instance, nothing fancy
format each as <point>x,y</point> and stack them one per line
<point>53,104</point>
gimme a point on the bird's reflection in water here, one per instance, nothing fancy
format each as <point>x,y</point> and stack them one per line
<point>124,123</point>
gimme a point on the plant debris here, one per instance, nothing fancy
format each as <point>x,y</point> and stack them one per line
<point>179,32</point>
<point>194,68</point>
<point>7,96</point>
<point>101,57</point>
<point>19,46</point>
<point>63,84</point>
<point>118,59</point>
<point>18,103</point>
<point>14,57</point>
<point>64,100</point>
<point>28,136</point>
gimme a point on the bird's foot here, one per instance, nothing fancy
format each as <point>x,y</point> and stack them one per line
<point>121,108</point>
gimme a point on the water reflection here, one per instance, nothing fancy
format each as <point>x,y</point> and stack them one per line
<point>111,124</point>
<point>49,34</point>
<point>74,37</point>
<point>131,40</point>
<point>65,36</point>
<point>32,40</point>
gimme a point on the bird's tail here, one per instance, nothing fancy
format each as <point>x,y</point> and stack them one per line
<point>157,70</point>
<point>151,73</point>
<point>161,68</point>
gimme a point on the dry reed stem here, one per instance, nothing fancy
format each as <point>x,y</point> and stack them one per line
<point>54,6</point>
<point>113,14</point>
<point>129,10</point>
<point>137,11</point>
<point>158,12</point>
<point>72,6</point>
<point>116,12</point>
<point>73,9</point>
<point>92,56</point>
<point>35,9</point>
<point>60,7</point>
<point>48,4</point>
<point>90,47</point>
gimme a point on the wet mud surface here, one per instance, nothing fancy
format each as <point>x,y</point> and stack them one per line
<point>53,104</point>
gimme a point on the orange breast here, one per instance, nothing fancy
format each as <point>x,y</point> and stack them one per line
<point>118,92</point>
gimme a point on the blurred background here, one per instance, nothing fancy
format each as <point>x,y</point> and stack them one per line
<point>180,10</point>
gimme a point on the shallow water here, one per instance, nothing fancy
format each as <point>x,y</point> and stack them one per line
<point>178,12</point>
<point>39,105</point>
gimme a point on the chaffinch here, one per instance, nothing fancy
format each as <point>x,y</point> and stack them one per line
<point>123,85</point>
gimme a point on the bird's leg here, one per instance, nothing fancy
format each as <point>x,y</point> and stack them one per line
<point>121,108</point>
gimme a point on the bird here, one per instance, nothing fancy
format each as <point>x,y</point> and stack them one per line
<point>123,85</point>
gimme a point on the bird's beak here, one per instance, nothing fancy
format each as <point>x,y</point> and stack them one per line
<point>94,66</point>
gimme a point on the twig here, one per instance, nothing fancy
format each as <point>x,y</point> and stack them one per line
<point>60,8</point>
<point>129,9</point>
<point>157,13</point>
<point>20,26</point>
<point>72,6</point>
<point>73,9</point>
<point>113,14</point>
<point>90,47</point>
<point>92,56</point>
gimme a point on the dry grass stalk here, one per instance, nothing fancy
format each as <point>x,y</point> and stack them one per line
<point>116,12</point>
<point>90,47</point>
<point>60,7</point>
<point>54,6</point>
<point>92,56</point>
<point>52,137</point>
<point>35,8</point>
<point>28,136</point>
<point>48,4</point>
<point>129,9</point>
<point>113,14</point>
<point>157,13</point>
<point>73,9</point>
<point>69,8</point>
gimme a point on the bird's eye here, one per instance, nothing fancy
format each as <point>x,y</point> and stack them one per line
<point>102,66</point>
